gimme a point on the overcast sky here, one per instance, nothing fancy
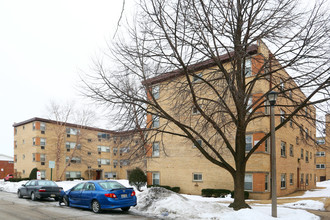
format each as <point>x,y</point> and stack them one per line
<point>43,46</point>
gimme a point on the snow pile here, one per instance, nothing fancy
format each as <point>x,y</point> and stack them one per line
<point>306,204</point>
<point>165,203</point>
<point>10,186</point>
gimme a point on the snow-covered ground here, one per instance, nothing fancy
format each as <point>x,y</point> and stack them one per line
<point>161,203</point>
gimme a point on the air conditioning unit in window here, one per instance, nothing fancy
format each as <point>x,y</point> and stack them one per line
<point>99,152</point>
<point>43,147</point>
<point>42,132</point>
<point>99,166</point>
<point>114,166</point>
<point>42,163</point>
<point>68,135</point>
<point>68,150</point>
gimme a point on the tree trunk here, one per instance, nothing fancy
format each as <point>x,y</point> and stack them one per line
<point>239,200</point>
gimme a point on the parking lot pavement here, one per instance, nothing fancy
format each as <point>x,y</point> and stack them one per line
<point>14,208</point>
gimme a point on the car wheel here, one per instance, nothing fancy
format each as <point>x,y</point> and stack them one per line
<point>96,206</point>
<point>66,201</point>
<point>33,196</point>
<point>125,209</point>
<point>19,195</point>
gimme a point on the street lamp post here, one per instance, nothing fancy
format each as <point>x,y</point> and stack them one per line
<point>272,100</point>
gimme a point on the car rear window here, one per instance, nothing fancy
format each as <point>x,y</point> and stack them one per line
<point>111,185</point>
<point>46,183</point>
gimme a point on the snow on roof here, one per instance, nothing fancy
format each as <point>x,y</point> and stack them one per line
<point>6,158</point>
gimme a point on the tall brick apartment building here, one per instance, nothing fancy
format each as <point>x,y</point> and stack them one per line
<point>6,165</point>
<point>175,161</point>
<point>78,151</point>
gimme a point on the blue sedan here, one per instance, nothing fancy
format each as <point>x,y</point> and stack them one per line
<point>99,195</point>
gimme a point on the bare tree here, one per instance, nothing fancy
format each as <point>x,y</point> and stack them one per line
<point>199,51</point>
<point>70,122</point>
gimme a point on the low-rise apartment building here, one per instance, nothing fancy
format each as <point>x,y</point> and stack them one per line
<point>77,151</point>
<point>175,161</point>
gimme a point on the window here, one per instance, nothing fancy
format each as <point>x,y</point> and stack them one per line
<point>307,179</point>
<point>124,149</point>
<point>103,149</point>
<point>248,67</point>
<point>267,145</point>
<point>267,107</point>
<point>115,150</point>
<point>42,157</point>
<point>73,160</point>
<point>302,178</point>
<point>15,144</point>
<point>282,86</point>
<point>290,94</point>
<point>197,77</point>
<point>72,131</point>
<point>42,141</point>
<point>283,149</point>
<point>283,181</point>
<point>155,178</point>
<point>291,123</point>
<point>23,156</point>
<point>33,157</point>
<point>115,163</point>
<point>282,116</point>
<point>89,187</point>
<point>74,174</point>
<point>43,174</point>
<point>155,121</point>
<point>310,155</point>
<point>248,142</point>
<point>155,91</point>
<point>320,166</point>
<point>248,182</point>
<point>34,141</point>
<point>103,161</point>
<point>15,158</point>
<point>195,111</point>
<point>199,141</point>
<point>249,104</point>
<point>197,177</point>
<point>155,149</point>
<point>72,145</point>
<point>320,141</point>
<point>110,175</point>
<point>104,136</point>
<point>307,156</point>
<point>297,140</point>
<point>320,154</point>
<point>302,154</point>
<point>124,162</point>
<point>291,150</point>
<point>33,126</point>
<point>266,182</point>
<point>306,133</point>
<point>42,127</point>
<point>291,178</point>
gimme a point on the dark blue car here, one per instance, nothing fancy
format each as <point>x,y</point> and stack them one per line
<point>99,195</point>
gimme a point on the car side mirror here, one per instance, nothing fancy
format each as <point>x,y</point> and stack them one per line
<point>23,184</point>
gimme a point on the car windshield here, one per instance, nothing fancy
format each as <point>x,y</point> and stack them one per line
<point>46,183</point>
<point>111,185</point>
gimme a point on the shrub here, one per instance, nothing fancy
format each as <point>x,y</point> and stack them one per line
<point>137,178</point>
<point>246,194</point>
<point>18,179</point>
<point>175,189</point>
<point>33,174</point>
<point>215,192</point>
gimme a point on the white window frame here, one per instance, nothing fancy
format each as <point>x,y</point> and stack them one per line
<point>42,141</point>
<point>155,181</point>
<point>320,166</point>
<point>283,177</point>
<point>248,67</point>
<point>246,142</point>
<point>320,154</point>
<point>197,177</point>
<point>248,176</point>
<point>283,149</point>
<point>155,121</point>
<point>155,149</point>
<point>197,77</point>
